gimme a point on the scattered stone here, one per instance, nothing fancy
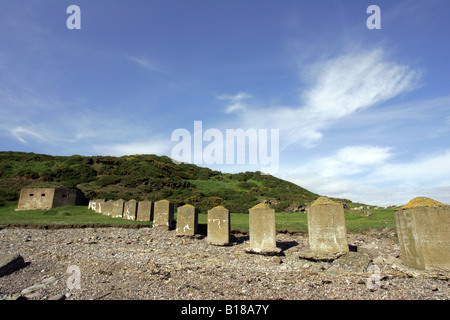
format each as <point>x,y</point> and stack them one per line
<point>352,262</point>
<point>49,280</point>
<point>319,256</point>
<point>367,213</point>
<point>32,289</point>
<point>370,246</point>
<point>277,260</point>
<point>16,296</point>
<point>57,297</point>
<point>193,269</point>
<point>393,260</point>
<point>378,260</point>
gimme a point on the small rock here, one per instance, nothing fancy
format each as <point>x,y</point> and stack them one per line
<point>393,260</point>
<point>57,297</point>
<point>16,296</point>
<point>277,260</point>
<point>37,295</point>
<point>316,256</point>
<point>49,280</point>
<point>268,252</point>
<point>370,246</point>
<point>32,289</point>
<point>351,262</point>
<point>378,260</point>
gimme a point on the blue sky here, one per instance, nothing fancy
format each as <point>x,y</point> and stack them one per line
<point>362,114</point>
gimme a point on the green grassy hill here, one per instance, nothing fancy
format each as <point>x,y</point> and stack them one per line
<point>150,177</point>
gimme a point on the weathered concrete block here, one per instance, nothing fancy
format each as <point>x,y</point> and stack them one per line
<point>107,208</point>
<point>218,226</point>
<point>262,230</point>
<point>99,205</point>
<point>130,210</point>
<point>117,208</point>
<point>187,220</point>
<point>145,211</point>
<point>92,205</point>
<point>163,214</point>
<point>423,229</point>
<point>326,227</point>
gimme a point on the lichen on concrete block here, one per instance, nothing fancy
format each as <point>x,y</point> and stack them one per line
<point>423,229</point>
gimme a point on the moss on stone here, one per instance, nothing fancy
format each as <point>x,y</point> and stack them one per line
<point>422,202</point>
<point>323,201</point>
<point>261,206</point>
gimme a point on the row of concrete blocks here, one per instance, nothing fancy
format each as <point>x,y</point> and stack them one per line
<point>261,221</point>
<point>162,215</point>
<point>423,230</point>
<point>423,227</point>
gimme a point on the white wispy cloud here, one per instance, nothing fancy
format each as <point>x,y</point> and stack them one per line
<point>364,155</point>
<point>144,63</point>
<point>236,103</point>
<point>372,174</point>
<point>429,170</point>
<point>347,161</point>
<point>356,81</point>
<point>20,133</point>
<point>338,88</point>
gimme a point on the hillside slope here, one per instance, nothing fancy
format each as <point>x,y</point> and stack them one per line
<point>147,177</point>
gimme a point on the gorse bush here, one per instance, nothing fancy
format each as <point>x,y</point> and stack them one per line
<point>143,177</point>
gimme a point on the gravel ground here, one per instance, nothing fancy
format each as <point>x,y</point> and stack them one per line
<point>147,263</point>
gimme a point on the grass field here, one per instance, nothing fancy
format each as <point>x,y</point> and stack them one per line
<point>82,216</point>
<point>67,215</point>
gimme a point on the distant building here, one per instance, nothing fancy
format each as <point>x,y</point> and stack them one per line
<point>47,198</point>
